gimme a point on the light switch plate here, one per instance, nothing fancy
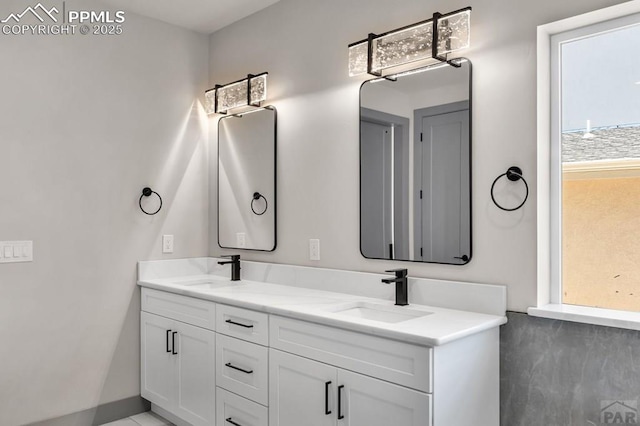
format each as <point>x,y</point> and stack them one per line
<point>16,251</point>
<point>167,244</point>
<point>314,249</point>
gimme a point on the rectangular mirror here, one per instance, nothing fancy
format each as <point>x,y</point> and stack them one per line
<point>247,180</point>
<point>415,166</point>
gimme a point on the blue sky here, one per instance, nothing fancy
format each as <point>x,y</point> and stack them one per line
<point>599,76</point>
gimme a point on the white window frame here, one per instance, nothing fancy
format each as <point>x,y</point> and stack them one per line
<point>549,179</point>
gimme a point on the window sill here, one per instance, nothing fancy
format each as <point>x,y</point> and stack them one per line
<point>588,315</point>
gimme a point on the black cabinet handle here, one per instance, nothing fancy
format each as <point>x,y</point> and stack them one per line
<point>238,368</point>
<point>326,398</point>
<point>168,332</point>
<point>173,343</point>
<point>340,415</point>
<point>230,420</point>
<point>239,324</point>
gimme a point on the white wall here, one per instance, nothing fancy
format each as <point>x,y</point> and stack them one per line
<point>303,45</point>
<point>85,123</point>
<point>382,98</point>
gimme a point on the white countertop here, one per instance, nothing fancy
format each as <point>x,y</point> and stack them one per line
<point>441,326</point>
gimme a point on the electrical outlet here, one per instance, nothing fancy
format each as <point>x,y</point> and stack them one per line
<point>314,249</point>
<point>241,240</point>
<point>167,244</point>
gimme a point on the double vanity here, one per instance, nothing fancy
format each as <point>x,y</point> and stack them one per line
<point>282,347</point>
<point>263,344</point>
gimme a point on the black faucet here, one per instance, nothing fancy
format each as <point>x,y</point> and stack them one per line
<point>402,289</point>
<point>235,266</point>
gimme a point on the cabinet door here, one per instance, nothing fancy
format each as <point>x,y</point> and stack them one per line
<point>365,401</point>
<point>301,391</point>
<point>157,362</point>
<point>195,375</point>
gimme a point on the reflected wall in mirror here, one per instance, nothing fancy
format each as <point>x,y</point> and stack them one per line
<point>247,180</point>
<point>415,166</point>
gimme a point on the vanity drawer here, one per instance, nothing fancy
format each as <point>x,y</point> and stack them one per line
<point>242,368</point>
<point>198,312</point>
<point>397,362</point>
<point>243,324</point>
<point>233,408</point>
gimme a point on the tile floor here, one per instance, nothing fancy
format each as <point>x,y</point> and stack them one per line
<point>143,419</point>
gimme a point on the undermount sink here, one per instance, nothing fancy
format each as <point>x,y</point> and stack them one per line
<point>380,313</point>
<point>205,283</point>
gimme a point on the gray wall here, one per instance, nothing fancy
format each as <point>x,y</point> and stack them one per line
<point>558,373</point>
<point>85,123</point>
<point>303,45</point>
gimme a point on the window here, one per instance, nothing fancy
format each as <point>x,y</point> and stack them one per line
<point>589,168</point>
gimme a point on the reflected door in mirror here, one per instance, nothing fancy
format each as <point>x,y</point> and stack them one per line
<point>415,193</point>
<point>444,164</point>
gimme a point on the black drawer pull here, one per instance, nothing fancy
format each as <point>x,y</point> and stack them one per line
<point>238,368</point>
<point>239,324</point>
<point>168,332</point>
<point>326,398</point>
<point>173,343</point>
<point>340,415</point>
<point>229,420</point>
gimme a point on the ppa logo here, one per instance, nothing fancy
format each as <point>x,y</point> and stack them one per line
<point>619,412</point>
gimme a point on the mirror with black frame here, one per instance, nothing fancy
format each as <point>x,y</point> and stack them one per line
<point>247,180</point>
<point>415,166</point>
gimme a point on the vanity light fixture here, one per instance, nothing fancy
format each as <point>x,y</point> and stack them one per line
<point>455,62</point>
<point>434,39</point>
<point>250,91</point>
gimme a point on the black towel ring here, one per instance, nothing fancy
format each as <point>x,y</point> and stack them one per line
<point>146,192</point>
<point>514,174</point>
<point>256,197</point>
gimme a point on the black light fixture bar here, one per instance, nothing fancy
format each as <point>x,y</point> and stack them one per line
<point>217,86</point>
<point>215,107</point>
<point>243,79</point>
<point>249,77</point>
<point>435,20</point>
<point>370,58</point>
<point>434,38</point>
<point>406,27</point>
<point>370,39</point>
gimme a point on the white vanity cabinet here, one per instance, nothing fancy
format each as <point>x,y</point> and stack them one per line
<point>335,377</point>
<point>365,401</point>
<point>177,358</point>
<point>158,366</point>
<point>323,391</point>
<point>200,360</point>
<point>242,367</point>
<point>301,391</point>
<point>211,364</point>
<point>312,393</point>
